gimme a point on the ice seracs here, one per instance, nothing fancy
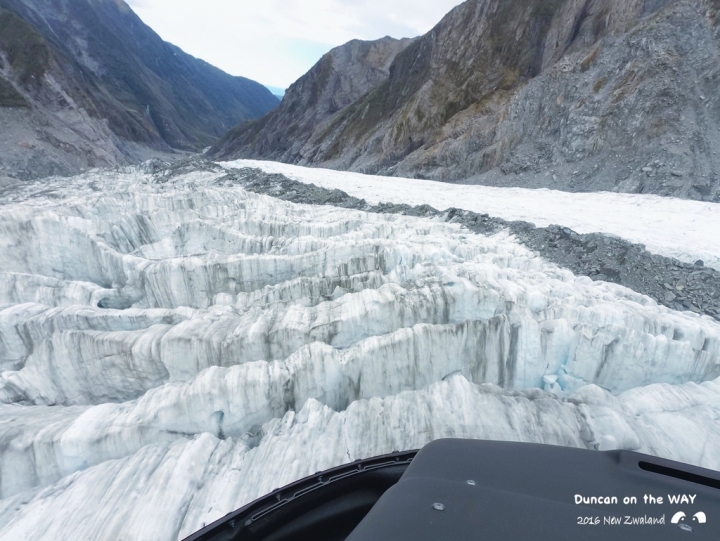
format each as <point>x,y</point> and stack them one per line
<point>170,488</point>
<point>195,346</point>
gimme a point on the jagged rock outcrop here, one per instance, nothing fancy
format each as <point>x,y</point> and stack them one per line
<point>340,78</point>
<point>84,83</point>
<point>569,94</point>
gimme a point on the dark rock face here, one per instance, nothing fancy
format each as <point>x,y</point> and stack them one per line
<point>579,95</point>
<point>86,83</point>
<point>341,77</point>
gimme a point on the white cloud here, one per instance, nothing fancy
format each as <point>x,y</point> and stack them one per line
<point>276,41</point>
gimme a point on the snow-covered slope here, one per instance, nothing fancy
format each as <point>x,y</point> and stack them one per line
<point>172,350</point>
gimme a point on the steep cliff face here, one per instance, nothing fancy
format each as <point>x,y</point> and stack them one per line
<point>633,111</point>
<point>570,94</point>
<point>340,78</point>
<point>85,83</point>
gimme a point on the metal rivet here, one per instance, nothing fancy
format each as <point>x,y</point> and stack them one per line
<point>438,507</point>
<point>685,527</point>
<point>470,482</point>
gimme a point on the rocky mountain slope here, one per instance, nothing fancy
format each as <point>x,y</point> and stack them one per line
<point>85,83</point>
<point>340,78</point>
<point>569,94</point>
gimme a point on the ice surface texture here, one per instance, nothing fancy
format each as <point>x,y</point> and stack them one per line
<point>171,351</point>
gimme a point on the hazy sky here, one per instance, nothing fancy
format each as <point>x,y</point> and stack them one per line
<point>276,41</point>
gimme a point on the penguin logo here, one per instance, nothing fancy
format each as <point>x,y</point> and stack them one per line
<point>679,519</point>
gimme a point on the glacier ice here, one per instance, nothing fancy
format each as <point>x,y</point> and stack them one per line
<point>170,351</point>
<point>170,488</point>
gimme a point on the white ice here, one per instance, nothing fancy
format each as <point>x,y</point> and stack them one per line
<point>679,228</point>
<point>171,351</point>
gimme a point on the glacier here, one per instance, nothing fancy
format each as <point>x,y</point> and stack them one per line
<point>172,349</point>
<point>668,226</point>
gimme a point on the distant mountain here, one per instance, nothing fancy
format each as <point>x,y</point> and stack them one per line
<point>86,83</point>
<point>569,94</point>
<point>277,91</point>
<point>340,78</point>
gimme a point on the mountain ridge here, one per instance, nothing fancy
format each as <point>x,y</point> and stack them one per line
<point>339,78</point>
<point>539,94</point>
<point>109,84</point>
